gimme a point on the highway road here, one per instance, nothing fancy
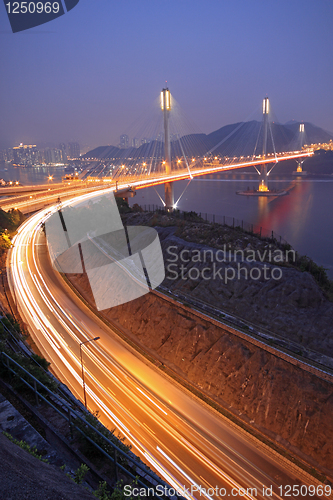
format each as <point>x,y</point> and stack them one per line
<point>183,440</point>
<point>33,202</point>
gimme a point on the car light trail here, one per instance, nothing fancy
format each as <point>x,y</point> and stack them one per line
<point>145,395</point>
<point>139,396</point>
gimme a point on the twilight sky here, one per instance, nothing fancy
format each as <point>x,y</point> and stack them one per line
<point>89,74</point>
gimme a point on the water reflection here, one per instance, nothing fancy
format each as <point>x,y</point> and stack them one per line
<point>303,217</point>
<point>31,175</point>
<point>263,210</point>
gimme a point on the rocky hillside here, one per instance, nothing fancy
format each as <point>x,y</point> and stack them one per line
<point>255,279</point>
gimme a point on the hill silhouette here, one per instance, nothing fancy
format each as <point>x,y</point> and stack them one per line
<point>237,139</point>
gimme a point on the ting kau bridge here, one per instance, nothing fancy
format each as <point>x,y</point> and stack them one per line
<point>168,159</point>
<point>169,155</point>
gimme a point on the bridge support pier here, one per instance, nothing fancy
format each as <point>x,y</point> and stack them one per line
<point>169,196</point>
<point>263,185</point>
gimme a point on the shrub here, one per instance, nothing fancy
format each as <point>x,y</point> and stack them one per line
<point>24,445</point>
<point>89,449</point>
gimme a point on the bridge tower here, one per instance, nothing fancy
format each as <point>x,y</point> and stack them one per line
<point>168,186</point>
<point>299,169</point>
<point>263,186</point>
<point>301,134</point>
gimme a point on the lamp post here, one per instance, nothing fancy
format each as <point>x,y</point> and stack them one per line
<point>82,369</point>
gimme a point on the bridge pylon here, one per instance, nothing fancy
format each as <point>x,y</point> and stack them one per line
<point>301,134</point>
<point>299,170</point>
<point>168,186</point>
<point>263,184</point>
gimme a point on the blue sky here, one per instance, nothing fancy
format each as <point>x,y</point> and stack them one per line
<point>87,75</point>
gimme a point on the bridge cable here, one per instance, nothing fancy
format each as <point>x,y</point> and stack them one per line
<point>276,160</point>
<point>188,168</point>
<point>183,192</point>
<point>160,197</point>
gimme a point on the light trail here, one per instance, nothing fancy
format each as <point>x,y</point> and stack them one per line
<point>149,410</point>
<point>161,178</point>
<point>141,182</point>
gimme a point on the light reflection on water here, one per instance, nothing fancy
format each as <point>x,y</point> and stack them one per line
<point>30,175</point>
<point>304,217</point>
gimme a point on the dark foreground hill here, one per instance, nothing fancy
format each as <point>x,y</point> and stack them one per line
<point>24,477</point>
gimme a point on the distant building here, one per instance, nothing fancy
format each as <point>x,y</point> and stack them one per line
<point>25,155</point>
<point>6,155</point>
<point>53,155</point>
<point>327,146</point>
<point>145,141</point>
<point>63,150</point>
<point>73,150</point>
<point>135,142</point>
<point>124,141</point>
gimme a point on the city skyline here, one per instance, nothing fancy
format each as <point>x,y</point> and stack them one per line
<point>97,70</point>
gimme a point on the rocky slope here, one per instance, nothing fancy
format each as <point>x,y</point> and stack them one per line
<point>251,282</point>
<point>292,306</point>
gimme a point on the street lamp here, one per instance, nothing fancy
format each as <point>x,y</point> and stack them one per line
<point>83,382</point>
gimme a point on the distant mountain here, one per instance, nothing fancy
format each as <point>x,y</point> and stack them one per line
<point>238,139</point>
<point>313,134</point>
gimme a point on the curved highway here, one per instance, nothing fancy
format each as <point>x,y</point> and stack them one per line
<point>183,440</point>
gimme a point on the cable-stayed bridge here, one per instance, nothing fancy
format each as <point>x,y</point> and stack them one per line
<point>168,152</point>
<point>170,155</point>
